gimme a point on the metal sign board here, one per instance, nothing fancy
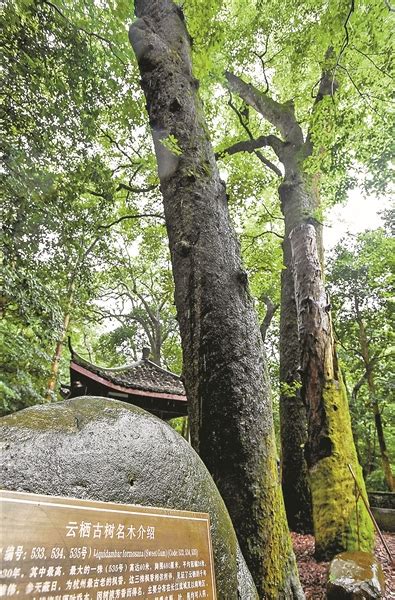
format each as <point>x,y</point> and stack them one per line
<point>54,548</point>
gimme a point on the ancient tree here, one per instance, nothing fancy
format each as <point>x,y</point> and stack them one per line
<point>224,370</point>
<point>330,446</point>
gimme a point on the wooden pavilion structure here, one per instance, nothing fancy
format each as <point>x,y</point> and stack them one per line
<point>142,383</point>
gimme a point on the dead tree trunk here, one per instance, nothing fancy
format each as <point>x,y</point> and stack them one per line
<point>330,446</point>
<point>226,384</point>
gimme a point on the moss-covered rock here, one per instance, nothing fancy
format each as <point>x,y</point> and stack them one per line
<point>355,576</point>
<point>100,449</point>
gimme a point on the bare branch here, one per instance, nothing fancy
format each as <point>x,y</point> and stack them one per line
<point>372,61</point>
<point>346,40</point>
<point>268,163</point>
<point>97,194</point>
<point>118,146</point>
<point>138,216</point>
<point>251,145</point>
<point>260,56</point>
<point>137,190</point>
<point>242,119</point>
<point>365,97</point>
<point>253,238</point>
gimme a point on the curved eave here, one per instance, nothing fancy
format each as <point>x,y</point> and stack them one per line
<point>127,390</point>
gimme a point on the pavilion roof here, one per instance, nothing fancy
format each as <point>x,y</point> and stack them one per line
<point>143,375</point>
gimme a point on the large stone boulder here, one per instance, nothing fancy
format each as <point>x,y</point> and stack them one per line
<point>100,449</point>
<point>355,576</point>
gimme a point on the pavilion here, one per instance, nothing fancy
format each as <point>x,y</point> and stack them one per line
<point>142,383</point>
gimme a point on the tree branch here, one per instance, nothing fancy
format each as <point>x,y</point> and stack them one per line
<point>251,146</point>
<point>268,163</point>
<point>262,234</point>
<point>260,56</point>
<point>257,153</point>
<point>270,310</point>
<point>365,97</point>
<point>372,61</point>
<point>137,190</point>
<point>346,39</point>
<point>139,216</point>
<point>358,386</point>
<point>327,87</point>
<point>119,148</point>
<point>281,116</point>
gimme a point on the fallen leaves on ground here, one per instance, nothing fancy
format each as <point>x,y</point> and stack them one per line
<point>314,574</point>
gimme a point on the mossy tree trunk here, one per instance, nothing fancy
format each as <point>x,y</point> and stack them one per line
<point>224,370</point>
<point>330,447</point>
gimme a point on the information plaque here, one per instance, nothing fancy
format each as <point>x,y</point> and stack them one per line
<point>54,548</point>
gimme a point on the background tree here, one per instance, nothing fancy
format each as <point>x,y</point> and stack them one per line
<point>137,293</point>
<point>361,275</point>
<point>67,95</point>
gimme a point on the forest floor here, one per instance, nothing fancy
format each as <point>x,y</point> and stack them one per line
<point>314,574</point>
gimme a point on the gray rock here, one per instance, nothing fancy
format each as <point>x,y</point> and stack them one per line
<point>101,449</point>
<point>385,518</point>
<point>355,576</point>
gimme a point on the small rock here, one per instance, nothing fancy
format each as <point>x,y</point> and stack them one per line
<point>355,576</point>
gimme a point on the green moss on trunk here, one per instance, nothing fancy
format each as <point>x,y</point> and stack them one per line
<point>340,522</point>
<point>278,560</point>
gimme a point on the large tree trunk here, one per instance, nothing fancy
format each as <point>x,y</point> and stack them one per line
<point>230,407</point>
<point>339,523</point>
<point>293,416</point>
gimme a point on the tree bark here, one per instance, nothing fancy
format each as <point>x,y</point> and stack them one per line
<point>224,370</point>
<point>293,416</point>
